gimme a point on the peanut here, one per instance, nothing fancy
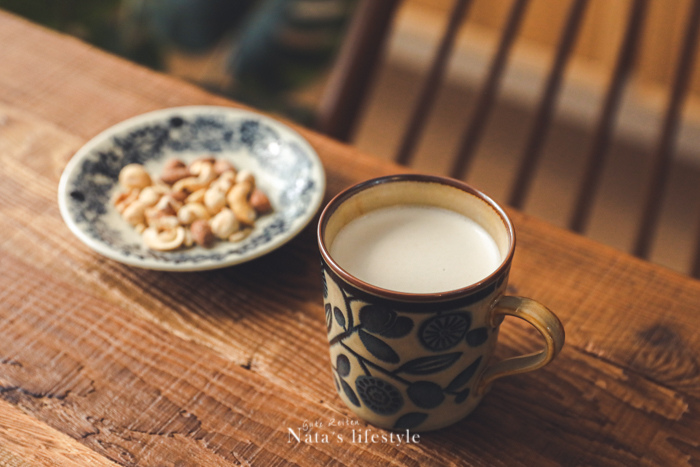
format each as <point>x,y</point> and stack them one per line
<point>201,233</point>
<point>260,202</point>
<point>174,171</point>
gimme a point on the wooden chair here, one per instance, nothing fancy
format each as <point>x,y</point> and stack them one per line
<point>342,105</point>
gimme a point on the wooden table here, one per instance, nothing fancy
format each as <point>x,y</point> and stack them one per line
<point>104,364</point>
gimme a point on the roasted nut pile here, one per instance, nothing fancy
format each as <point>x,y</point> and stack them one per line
<point>202,203</point>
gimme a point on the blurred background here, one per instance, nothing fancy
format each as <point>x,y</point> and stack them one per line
<point>276,55</point>
<point>267,53</point>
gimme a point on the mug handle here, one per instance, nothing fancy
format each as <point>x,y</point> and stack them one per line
<point>538,316</point>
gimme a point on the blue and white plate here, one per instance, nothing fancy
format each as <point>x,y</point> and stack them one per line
<point>285,166</point>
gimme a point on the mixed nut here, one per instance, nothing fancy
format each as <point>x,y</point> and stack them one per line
<point>200,203</point>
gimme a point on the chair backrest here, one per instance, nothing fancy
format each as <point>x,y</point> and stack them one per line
<point>341,107</point>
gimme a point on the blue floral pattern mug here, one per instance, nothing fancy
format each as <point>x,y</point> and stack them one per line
<point>422,361</point>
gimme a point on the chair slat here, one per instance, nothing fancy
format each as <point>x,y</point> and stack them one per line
<point>603,133</point>
<point>485,102</point>
<point>546,108</point>
<point>355,69</point>
<point>663,156</point>
<point>426,97</point>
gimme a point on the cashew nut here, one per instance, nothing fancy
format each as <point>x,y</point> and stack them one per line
<point>152,215</point>
<point>150,195</point>
<point>197,196</point>
<point>246,176</point>
<point>165,240</point>
<point>134,176</point>
<point>192,212</point>
<point>225,181</point>
<point>168,204</point>
<point>239,192</point>
<point>164,222</point>
<point>240,235</point>
<point>204,170</point>
<point>244,213</point>
<point>134,213</point>
<point>122,200</point>
<point>190,184</point>
<point>214,199</point>
<point>224,224</point>
<point>237,199</point>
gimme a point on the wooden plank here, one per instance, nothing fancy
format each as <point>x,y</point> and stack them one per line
<point>142,396</point>
<point>24,441</point>
<point>128,389</point>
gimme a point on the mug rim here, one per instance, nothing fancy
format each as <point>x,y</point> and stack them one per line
<point>351,191</point>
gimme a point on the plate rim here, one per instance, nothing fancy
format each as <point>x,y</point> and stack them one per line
<point>100,247</point>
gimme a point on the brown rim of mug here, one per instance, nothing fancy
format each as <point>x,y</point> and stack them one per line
<point>348,193</point>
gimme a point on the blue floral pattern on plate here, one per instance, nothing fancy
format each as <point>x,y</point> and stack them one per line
<point>284,164</point>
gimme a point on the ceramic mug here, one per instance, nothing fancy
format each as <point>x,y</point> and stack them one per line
<point>422,361</point>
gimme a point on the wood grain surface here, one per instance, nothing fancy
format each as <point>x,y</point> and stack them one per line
<point>104,364</point>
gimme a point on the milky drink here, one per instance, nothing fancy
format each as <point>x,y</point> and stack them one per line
<point>416,249</point>
<point>415,273</point>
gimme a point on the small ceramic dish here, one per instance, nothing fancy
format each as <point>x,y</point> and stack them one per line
<point>286,168</point>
